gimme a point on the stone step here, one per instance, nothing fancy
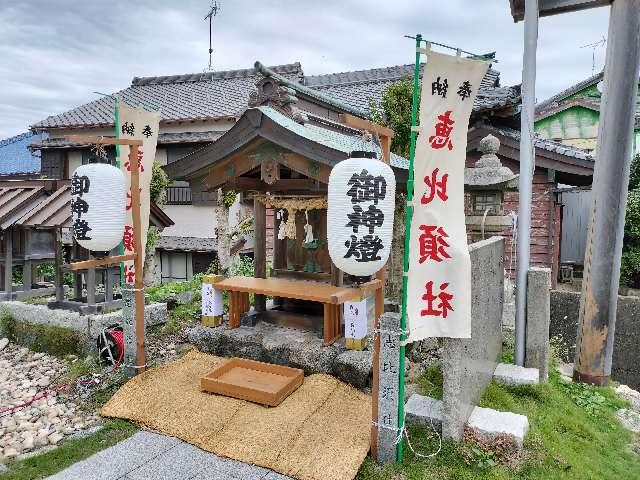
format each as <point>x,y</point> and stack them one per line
<point>489,424</point>
<point>424,411</point>
<point>485,423</point>
<point>507,374</point>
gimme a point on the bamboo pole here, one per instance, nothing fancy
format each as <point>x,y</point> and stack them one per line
<point>138,264</point>
<point>408,217</point>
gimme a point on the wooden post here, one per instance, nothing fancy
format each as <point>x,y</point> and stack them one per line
<point>8,263</point>
<point>260,249</point>
<point>57,240</point>
<point>385,134</point>
<point>141,359</point>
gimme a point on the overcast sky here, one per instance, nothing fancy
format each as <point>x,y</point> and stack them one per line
<point>54,54</point>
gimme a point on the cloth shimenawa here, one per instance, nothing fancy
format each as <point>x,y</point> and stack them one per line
<point>137,124</point>
<point>320,432</point>
<point>439,287</point>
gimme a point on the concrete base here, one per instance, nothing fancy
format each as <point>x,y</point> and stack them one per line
<point>297,348</point>
<point>484,423</point>
<point>507,374</point>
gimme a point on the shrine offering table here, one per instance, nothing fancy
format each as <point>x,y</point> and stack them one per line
<point>330,296</point>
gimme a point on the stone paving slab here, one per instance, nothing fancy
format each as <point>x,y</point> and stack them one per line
<point>115,462</point>
<point>150,456</point>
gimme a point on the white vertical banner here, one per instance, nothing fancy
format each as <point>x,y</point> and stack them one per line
<point>439,283</point>
<point>139,124</point>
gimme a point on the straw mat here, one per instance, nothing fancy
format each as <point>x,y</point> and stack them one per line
<point>321,431</point>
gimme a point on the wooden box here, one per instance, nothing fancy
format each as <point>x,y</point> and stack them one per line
<point>254,381</point>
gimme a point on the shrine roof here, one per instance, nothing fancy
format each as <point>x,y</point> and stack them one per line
<point>317,139</point>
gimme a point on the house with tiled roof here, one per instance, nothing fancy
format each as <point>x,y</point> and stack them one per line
<point>571,117</point>
<point>203,110</point>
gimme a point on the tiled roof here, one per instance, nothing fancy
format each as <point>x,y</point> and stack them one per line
<point>15,156</point>
<point>225,94</point>
<point>186,244</point>
<point>163,139</point>
<point>548,145</point>
<point>572,90</point>
<point>359,88</point>
<point>178,97</point>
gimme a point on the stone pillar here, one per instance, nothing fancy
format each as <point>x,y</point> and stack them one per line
<point>538,319</point>
<point>129,329</point>
<point>389,387</point>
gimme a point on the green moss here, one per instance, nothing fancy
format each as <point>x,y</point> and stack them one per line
<point>52,339</point>
<point>431,382</point>
<point>71,451</point>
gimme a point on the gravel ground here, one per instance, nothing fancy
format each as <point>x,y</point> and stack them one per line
<point>47,421</point>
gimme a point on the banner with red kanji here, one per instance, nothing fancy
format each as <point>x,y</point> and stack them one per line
<point>439,283</point>
<point>139,124</point>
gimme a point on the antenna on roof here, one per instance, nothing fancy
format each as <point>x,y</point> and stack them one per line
<point>600,43</point>
<point>213,11</point>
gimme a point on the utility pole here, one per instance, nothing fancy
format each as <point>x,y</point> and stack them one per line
<point>599,298</point>
<point>527,166</point>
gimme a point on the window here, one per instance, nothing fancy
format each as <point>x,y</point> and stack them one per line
<point>487,200</point>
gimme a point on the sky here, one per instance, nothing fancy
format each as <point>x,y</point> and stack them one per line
<point>55,54</point>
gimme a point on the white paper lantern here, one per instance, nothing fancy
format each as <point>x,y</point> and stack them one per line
<point>98,206</point>
<point>361,201</point>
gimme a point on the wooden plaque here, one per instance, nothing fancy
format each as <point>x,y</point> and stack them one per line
<point>257,382</point>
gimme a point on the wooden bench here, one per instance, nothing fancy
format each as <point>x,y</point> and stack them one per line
<point>330,296</point>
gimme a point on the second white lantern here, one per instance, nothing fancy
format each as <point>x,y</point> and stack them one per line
<point>361,202</point>
<point>98,206</point>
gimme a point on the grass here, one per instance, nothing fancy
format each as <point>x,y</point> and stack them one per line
<point>69,452</point>
<point>573,435</point>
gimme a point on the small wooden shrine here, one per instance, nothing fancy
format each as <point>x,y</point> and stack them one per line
<point>279,154</point>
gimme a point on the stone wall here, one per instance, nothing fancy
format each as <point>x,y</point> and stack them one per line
<point>468,364</point>
<point>565,308</point>
<point>89,326</point>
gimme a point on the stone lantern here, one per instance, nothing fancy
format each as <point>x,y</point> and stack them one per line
<point>485,185</point>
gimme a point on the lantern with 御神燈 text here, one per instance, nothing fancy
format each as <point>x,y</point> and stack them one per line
<point>98,206</point>
<point>361,201</point>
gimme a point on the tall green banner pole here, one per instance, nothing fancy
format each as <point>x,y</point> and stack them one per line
<point>408,216</point>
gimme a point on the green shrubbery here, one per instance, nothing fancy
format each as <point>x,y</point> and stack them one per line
<point>630,267</point>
